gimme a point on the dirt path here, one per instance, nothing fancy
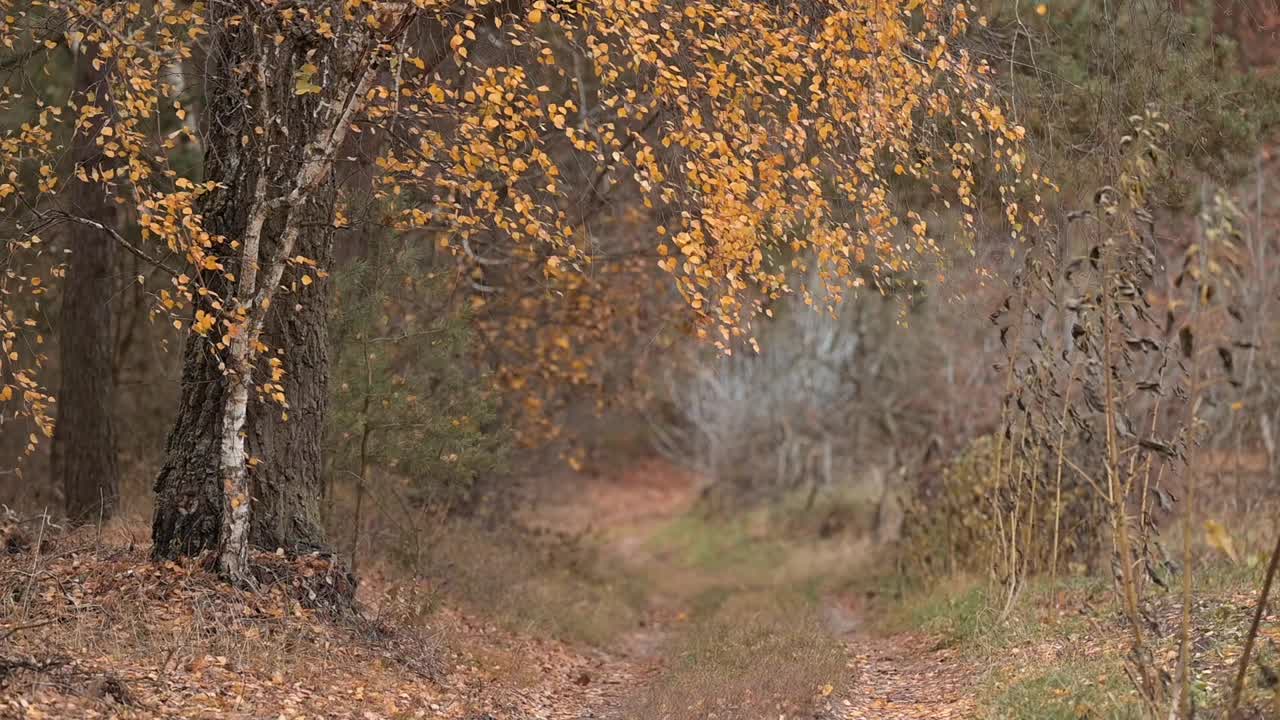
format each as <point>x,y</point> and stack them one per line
<point>902,677</point>
<point>906,677</point>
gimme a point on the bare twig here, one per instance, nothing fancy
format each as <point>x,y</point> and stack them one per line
<point>35,565</point>
<point>1237,688</point>
<point>10,632</point>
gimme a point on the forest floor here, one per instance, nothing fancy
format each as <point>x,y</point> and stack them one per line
<point>720,621</point>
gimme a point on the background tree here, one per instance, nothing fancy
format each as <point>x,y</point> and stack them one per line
<point>83,458</point>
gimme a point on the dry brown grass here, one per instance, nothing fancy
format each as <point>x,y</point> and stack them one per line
<point>528,582</point>
<point>752,658</point>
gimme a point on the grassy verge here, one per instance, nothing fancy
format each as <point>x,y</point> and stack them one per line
<point>1042,663</point>
<point>1069,689</point>
<point>1061,654</point>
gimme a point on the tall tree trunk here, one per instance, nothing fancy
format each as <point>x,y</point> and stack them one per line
<point>83,458</point>
<point>286,467</point>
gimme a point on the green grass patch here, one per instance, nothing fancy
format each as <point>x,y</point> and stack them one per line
<point>1067,690</point>
<point>709,543</point>
<point>1044,664</point>
<point>966,612</point>
<point>958,611</point>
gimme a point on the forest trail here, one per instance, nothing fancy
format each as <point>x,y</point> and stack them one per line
<point>889,677</point>
<point>96,629</point>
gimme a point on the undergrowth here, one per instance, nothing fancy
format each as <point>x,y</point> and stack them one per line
<point>531,582</point>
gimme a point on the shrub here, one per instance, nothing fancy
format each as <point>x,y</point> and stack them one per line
<point>1077,74</point>
<point>812,405</point>
<point>412,421</point>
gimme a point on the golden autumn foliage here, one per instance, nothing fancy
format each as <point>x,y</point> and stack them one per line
<point>747,140</point>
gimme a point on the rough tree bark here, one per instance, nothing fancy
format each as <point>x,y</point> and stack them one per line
<point>286,479</point>
<point>83,457</point>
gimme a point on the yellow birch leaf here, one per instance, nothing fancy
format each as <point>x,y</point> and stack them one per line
<point>1218,538</point>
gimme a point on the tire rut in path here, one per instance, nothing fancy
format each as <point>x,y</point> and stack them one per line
<point>906,677</point>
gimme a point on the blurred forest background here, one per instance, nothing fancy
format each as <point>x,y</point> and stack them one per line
<point>1062,449</point>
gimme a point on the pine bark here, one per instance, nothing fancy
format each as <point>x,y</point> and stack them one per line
<point>83,456</point>
<point>285,510</point>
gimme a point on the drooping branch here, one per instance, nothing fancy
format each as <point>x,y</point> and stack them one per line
<point>116,236</point>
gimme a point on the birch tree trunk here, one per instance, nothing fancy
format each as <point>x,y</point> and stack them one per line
<point>276,199</point>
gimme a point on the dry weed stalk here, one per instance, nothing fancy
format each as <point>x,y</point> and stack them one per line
<point>1087,299</point>
<point>1256,296</point>
<point>1237,687</point>
<point>1103,388</point>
